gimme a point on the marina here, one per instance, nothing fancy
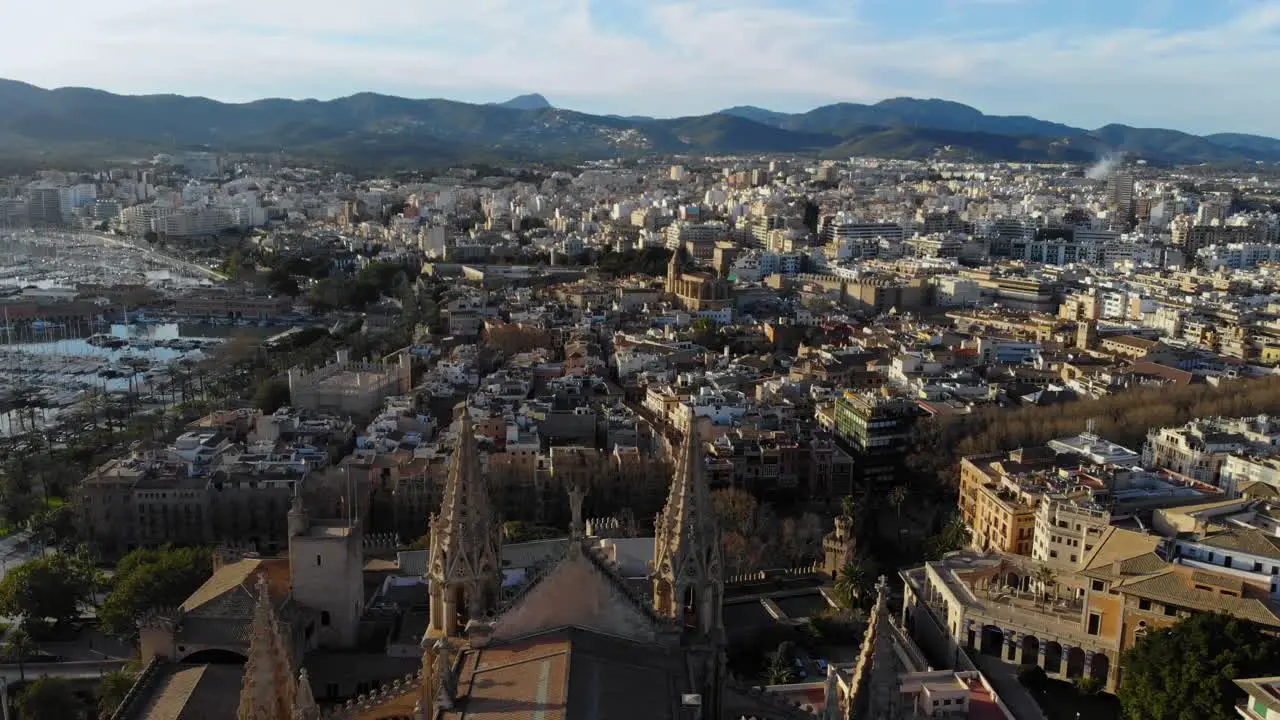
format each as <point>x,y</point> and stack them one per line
<point>50,376</point>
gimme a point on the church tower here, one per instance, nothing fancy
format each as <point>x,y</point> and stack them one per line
<point>688,574</point>
<point>464,566</point>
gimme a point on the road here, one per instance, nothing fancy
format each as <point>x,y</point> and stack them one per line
<point>161,257</point>
<point>14,551</point>
<point>76,670</point>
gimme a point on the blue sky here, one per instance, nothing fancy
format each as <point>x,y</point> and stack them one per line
<point>1197,65</point>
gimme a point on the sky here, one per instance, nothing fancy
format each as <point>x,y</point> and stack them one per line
<point>1196,65</point>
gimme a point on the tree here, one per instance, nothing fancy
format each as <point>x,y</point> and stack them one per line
<point>1185,672</point>
<point>55,525</point>
<point>848,506</point>
<point>853,583</point>
<point>955,536</point>
<point>271,395</point>
<point>17,648</point>
<point>112,690</point>
<point>897,496</point>
<point>282,282</point>
<point>50,699</point>
<point>53,588</point>
<point>735,510</point>
<point>1032,677</point>
<point>782,669</point>
<point>518,531</point>
<point>150,579</point>
<point>1045,578</point>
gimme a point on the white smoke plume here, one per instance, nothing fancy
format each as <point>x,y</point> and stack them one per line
<point>1102,169</point>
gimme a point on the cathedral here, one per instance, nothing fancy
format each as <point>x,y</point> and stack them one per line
<point>695,291</point>
<point>573,639</point>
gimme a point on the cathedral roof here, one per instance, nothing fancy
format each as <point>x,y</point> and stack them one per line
<point>566,674</point>
<point>578,588</point>
<point>192,692</point>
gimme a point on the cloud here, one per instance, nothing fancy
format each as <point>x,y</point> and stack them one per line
<point>662,56</point>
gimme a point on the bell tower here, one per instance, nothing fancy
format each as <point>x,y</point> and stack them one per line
<point>464,569</point>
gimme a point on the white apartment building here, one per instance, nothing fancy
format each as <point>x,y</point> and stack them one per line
<point>1201,447</point>
<point>139,219</point>
<point>1239,470</point>
<point>1237,256</point>
<point>1067,528</point>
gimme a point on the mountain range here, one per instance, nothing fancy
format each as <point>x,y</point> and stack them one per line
<point>382,131</point>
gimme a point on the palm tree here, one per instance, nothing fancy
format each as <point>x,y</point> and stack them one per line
<point>851,582</point>
<point>848,506</point>
<point>782,669</point>
<point>897,496</point>
<point>18,647</point>
<point>1046,577</point>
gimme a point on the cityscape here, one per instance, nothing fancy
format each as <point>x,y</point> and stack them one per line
<point>866,407</point>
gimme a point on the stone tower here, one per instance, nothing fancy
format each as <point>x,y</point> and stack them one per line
<point>1087,334</point>
<point>326,572</point>
<point>688,574</point>
<point>839,546</point>
<point>464,566</point>
<point>269,689</point>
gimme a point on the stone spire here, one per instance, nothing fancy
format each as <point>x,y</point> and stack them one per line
<point>688,575</point>
<point>439,687</point>
<point>882,686</point>
<point>304,703</point>
<point>577,526</point>
<point>268,690</point>
<point>831,699</point>
<point>464,568</point>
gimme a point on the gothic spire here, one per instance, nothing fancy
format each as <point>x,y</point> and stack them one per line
<point>464,556</point>
<point>268,690</point>
<point>687,565</point>
<point>687,518</point>
<point>438,688</point>
<point>304,703</point>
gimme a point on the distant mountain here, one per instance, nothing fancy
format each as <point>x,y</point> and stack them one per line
<point>1252,145</point>
<point>381,131</point>
<point>843,118</point>
<point>760,115</point>
<point>922,144</point>
<point>533,101</point>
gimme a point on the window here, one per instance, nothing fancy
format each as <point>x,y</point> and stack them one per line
<point>1099,585</point>
<point>1226,561</point>
<point>1144,604</point>
<point>1095,624</point>
<point>1257,567</point>
<point>324,618</point>
<point>1053,553</point>
<point>317,560</point>
<point>1170,610</point>
<point>1073,558</point>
